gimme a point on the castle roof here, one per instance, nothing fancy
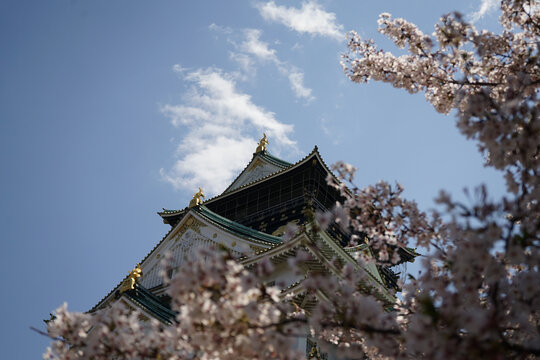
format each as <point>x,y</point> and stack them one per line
<point>282,168</point>
<point>264,172</point>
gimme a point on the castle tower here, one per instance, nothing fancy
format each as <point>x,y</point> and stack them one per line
<point>249,218</point>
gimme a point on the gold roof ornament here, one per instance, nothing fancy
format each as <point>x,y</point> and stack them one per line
<point>129,283</point>
<point>197,198</point>
<point>314,353</point>
<point>262,144</point>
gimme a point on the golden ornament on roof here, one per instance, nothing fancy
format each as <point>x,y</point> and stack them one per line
<point>130,281</point>
<point>197,198</point>
<point>262,144</point>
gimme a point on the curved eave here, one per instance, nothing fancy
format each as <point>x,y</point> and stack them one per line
<point>171,217</point>
<point>407,254</point>
<point>151,304</point>
<point>236,228</point>
<point>272,252</point>
<point>167,212</point>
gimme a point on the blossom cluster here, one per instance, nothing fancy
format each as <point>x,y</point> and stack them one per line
<point>478,294</point>
<point>386,220</point>
<point>223,312</point>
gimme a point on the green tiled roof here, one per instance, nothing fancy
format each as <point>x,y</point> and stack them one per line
<point>167,211</point>
<point>235,227</point>
<point>170,212</point>
<point>274,160</point>
<point>151,303</point>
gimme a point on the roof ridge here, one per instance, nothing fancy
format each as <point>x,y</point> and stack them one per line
<point>279,162</point>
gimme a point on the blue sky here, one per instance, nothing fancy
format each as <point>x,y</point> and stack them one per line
<point>112,110</point>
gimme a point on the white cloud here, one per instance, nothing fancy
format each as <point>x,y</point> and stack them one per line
<point>297,46</point>
<point>179,69</point>
<point>250,50</point>
<point>253,46</point>
<point>297,83</point>
<point>220,29</point>
<point>246,63</point>
<point>486,6</point>
<point>311,18</point>
<point>222,126</point>
<point>211,165</point>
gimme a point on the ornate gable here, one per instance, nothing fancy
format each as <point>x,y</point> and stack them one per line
<point>261,165</point>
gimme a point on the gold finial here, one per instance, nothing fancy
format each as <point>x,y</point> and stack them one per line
<point>314,353</point>
<point>129,283</point>
<point>196,198</point>
<point>262,144</point>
